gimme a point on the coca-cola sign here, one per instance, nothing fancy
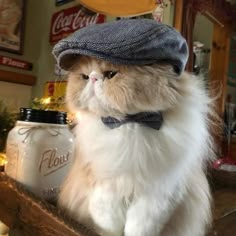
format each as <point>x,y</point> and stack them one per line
<point>69,20</point>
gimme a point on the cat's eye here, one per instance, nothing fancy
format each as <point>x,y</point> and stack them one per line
<point>85,77</point>
<point>109,74</point>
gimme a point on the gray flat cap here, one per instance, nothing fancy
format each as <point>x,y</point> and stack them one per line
<point>128,41</point>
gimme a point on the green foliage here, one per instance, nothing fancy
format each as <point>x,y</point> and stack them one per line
<point>7,121</point>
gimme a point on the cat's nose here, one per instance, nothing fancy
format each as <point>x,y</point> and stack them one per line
<point>94,79</point>
<point>94,76</point>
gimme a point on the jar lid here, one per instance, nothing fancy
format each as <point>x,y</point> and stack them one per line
<point>42,116</point>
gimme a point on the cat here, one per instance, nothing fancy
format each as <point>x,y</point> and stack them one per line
<point>134,180</point>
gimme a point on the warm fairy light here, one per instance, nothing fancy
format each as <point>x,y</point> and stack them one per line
<point>3,159</point>
<point>78,115</point>
<point>46,100</point>
<point>3,229</point>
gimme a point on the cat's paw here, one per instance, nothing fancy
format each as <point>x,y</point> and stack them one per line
<point>139,229</point>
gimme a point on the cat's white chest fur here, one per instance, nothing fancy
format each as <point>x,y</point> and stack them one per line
<point>135,181</point>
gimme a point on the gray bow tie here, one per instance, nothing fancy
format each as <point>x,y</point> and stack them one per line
<point>150,119</point>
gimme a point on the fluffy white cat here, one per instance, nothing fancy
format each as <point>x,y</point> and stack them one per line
<point>134,180</point>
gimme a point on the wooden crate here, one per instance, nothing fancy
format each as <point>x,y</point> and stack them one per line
<point>29,216</point>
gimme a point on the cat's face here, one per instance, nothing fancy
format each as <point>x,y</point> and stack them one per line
<point>116,90</point>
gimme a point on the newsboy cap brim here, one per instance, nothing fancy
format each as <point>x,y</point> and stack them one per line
<point>128,42</point>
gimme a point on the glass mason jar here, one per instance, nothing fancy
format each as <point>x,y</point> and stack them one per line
<point>39,151</point>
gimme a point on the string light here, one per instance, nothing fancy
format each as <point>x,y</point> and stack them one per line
<point>46,100</point>
<point>3,161</point>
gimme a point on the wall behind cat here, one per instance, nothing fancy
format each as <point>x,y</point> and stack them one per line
<point>13,94</point>
<point>31,38</point>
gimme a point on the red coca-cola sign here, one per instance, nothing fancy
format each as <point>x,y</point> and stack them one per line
<point>69,20</point>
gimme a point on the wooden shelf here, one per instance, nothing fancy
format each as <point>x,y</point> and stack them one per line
<point>27,215</point>
<point>18,78</point>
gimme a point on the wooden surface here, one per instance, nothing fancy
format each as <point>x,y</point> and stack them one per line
<point>178,16</point>
<point>13,77</point>
<point>223,186</point>
<point>219,65</point>
<point>224,213</point>
<point>29,216</point>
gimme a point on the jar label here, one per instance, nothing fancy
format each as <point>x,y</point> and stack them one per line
<point>50,194</point>
<point>51,161</point>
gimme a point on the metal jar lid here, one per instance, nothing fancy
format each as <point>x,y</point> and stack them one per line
<point>42,116</point>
